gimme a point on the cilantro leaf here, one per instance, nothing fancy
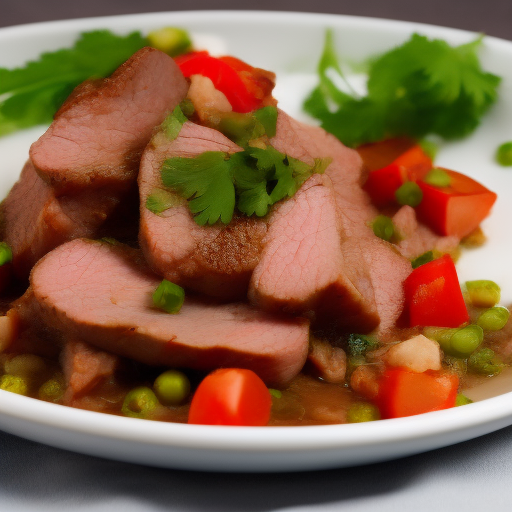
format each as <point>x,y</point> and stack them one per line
<point>35,92</point>
<point>207,182</point>
<point>421,87</point>
<point>215,182</point>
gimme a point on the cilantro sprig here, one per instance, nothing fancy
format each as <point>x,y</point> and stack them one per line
<point>252,180</point>
<point>31,94</point>
<point>421,87</point>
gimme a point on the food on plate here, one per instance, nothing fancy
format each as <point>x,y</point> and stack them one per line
<point>194,254</point>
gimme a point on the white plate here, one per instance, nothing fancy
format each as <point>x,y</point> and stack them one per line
<point>289,44</point>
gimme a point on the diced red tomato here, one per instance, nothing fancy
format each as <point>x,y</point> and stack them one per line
<point>382,184</point>
<point>231,396</point>
<point>457,209</point>
<point>245,87</point>
<point>433,295</point>
<point>406,393</point>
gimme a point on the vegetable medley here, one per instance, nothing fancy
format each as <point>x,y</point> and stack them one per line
<point>445,337</point>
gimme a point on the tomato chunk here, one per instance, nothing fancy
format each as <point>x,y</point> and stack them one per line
<point>231,396</point>
<point>433,295</point>
<point>382,183</point>
<point>406,393</point>
<point>245,87</point>
<point>457,209</point>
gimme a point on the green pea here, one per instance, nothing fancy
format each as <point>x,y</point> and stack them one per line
<point>172,387</point>
<point>442,335</point>
<point>409,194</point>
<point>504,154</point>
<point>14,384</point>
<point>171,40</point>
<point>139,403</point>
<point>466,340</point>
<point>493,319</point>
<point>383,227</point>
<point>362,412</point>
<point>437,178</point>
<point>460,399</point>
<point>52,390</point>
<point>169,297</point>
<point>483,293</point>
<point>485,362</point>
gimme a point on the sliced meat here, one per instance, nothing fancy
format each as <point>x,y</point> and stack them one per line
<point>304,267</point>
<point>87,161</point>
<point>386,267</point>
<point>417,239</point>
<point>101,294</point>
<point>36,221</point>
<point>84,368</point>
<point>215,260</point>
<point>99,133</point>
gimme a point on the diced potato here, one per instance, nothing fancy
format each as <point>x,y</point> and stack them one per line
<point>206,98</point>
<point>418,354</point>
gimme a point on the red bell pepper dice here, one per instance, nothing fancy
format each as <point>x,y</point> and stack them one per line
<point>409,166</point>
<point>231,396</point>
<point>433,295</point>
<point>457,209</point>
<point>244,86</point>
<point>406,393</point>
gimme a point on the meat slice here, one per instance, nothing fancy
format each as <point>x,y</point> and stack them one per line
<point>416,239</point>
<point>304,268</point>
<point>101,294</point>
<point>215,260</point>
<point>36,220</point>
<point>386,267</point>
<point>84,368</point>
<point>99,133</point>
<point>83,169</point>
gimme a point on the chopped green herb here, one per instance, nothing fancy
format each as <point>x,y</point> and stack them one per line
<point>504,154</point>
<point>160,200</point>
<point>171,40</point>
<point>493,319</point>
<point>426,257</point>
<point>421,87</point>
<point>485,362</point>
<point>275,393</point>
<point>359,344</point>
<point>252,180</point>
<point>383,227</point>
<point>460,399</point>
<point>430,148</point>
<point>437,178</point>
<point>169,297</point>
<point>173,122</point>
<point>5,254</point>
<point>31,94</point>
<point>409,194</point>
<point>483,293</point>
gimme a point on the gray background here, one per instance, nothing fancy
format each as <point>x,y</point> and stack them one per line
<point>475,475</point>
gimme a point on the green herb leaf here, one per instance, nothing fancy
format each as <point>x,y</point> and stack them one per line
<point>160,200</point>
<point>207,182</point>
<point>173,122</point>
<point>421,87</point>
<point>34,92</point>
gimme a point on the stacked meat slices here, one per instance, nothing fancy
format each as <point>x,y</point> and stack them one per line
<point>314,258</point>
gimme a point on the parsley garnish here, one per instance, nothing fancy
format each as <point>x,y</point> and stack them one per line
<point>252,180</point>
<point>31,95</point>
<point>422,87</point>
